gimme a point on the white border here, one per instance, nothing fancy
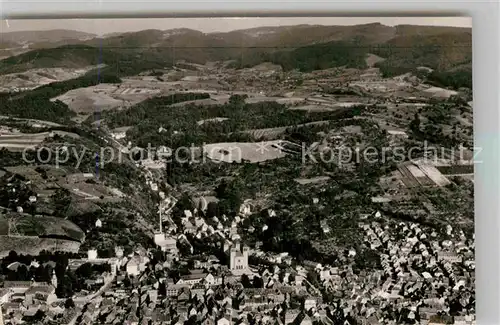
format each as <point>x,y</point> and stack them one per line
<point>486,71</point>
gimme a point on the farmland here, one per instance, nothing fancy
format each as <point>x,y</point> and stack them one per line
<point>17,141</point>
<point>251,152</point>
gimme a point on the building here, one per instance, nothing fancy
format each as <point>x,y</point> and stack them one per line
<point>5,295</point>
<point>191,279</point>
<point>136,265</point>
<point>167,244</point>
<point>41,293</point>
<point>223,321</point>
<point>238,259</point>
<point>17,286</point>
<point>92,254</point>
<point>309,303</point>
<point>174,290</point>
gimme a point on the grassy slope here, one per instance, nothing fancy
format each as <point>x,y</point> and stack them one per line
<point>43,226</point>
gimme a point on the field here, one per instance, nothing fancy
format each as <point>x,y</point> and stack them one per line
<point>249,151</point>
<point>201,102</point>
<point>314,180</point>
<point>37,77</point>
<point>212,120</point>
<point>90,191</point>
<point>34,245</point>
<point>439,92</point>
<point>372,59</point>
<point>104,97</point>
<point>421,174</point>
<point>313,108</point>
<point>40,226</point>
<point>83,187</point>
<point>16,141</point>
<point>31,122</point>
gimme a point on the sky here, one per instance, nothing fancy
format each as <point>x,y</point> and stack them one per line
<point>208,25</point>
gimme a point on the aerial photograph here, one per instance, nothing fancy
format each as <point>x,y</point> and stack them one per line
<point>246,171</point>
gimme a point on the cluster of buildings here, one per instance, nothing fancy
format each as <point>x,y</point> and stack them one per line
<point>423,277</point>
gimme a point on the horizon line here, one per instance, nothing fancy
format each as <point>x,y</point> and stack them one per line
<point>217,31</point>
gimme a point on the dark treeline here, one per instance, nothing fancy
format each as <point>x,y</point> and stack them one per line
<point>312,57</point>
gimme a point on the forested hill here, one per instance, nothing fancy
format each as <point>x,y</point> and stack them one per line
<point>305,47</point>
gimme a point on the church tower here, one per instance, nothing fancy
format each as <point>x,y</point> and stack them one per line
<point>246,249</point>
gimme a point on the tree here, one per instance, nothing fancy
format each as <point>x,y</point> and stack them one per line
<point>43,274</point>
<point>212,210</point>
<point>64,287</point>
<point>85,271</point>
<point>12,256</point>
<point>415,124</point>
<point>22,273</point>
<point>237,100</point>
<point>183,204</point>
<point>127,282</point>
<point>162,289</point>
<point>229,195</point>
<point>258,282</point>
<point>245,281</point>
<point>313,278</point>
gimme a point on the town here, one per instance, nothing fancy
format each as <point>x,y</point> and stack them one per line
<point>328,184</point>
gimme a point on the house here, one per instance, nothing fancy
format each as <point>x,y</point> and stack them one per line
<point>450,257</point>
<point>309,303</point>
<point>207,263</point>
<point>136,265</point>
<point>325,227</point>
<point>208,321</point>
<point>12,307</point>
<point>303,319</point>
<point>299,279</point>
<point>184,295</point>
<point>119,133</point>
<point>191,279</point>
<point>223,321</point>
<point>166,243</point>
<point>213,280</point>
<point>291,315</point>
<point>5,294</point>
<point>198,290</point>
<point>174,290</point>
<point>245,209</point>
<point>17,286</point>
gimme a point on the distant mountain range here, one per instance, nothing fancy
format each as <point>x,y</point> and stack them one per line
<point>49,36</point>
<point>12,43</point>
<point>305,47</point>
